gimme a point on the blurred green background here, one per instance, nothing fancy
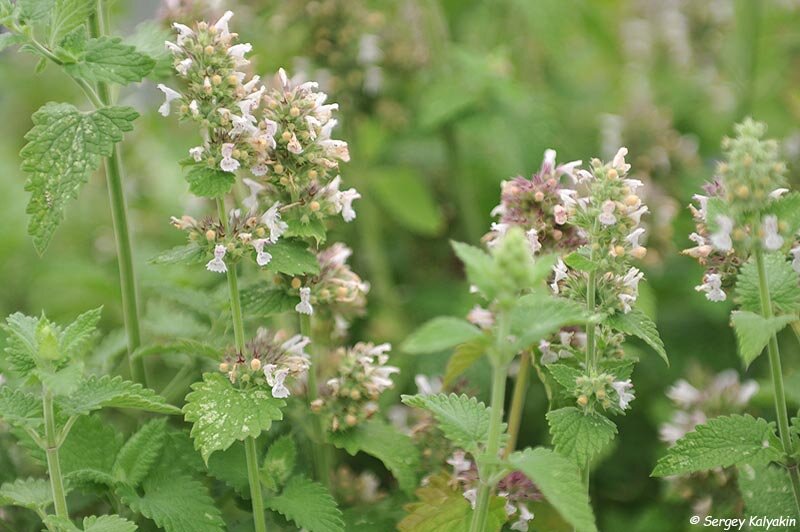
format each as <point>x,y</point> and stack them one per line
<point>441,101</point>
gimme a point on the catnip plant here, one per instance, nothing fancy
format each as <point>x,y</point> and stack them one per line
<point>66,144</point>
<point>747,221</point>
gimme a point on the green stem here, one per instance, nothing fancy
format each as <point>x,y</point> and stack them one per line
<point>255,484</point>
<point>518,402</point>
<point>320,452</point>
<point>238,333</point>
<point>176,387</point>
<point>591,347</point>
<point>53,463</point>
<point>119,215</point>
<point>777,380</point>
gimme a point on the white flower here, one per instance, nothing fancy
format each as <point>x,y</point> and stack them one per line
<point>633,184</point>
<point>633,238</point>
<point>778,192</point>
<point>196,153</point>
<point>560,271</point>
<point>619,161</point>
<point>222,24</point>
<point>194,108</point>
<point>567,196</point>
<point>272,219</point>
<point>548,355</point>
<point>296,345</point>
<point>228,163</point>
<point>262,257</point>
<point>533,241</point>
<point>632,278</point>
<point>560,214</point>
<point>294,145</point>
<point>170,95</point>
<point>275,378</point>
<point>721,239</point>
<point>369,51</point>
<point>183,67</point>
<point>184,31</point>
<point>525,515</point>
<point>772,239</point>
<point>304,307</point>
<point>636,215</point>
<point>336,148</point>
<point>344,203</point>
<point>607,217</point>
<point>217,264</point>
<point>712,286</point>
<point>459,462</point>
<point>471,495</point>
<point>625,397</point>
<point>481,317</point>
<point>626,300</point>
<point>795,251</point>
<point>703,201</point>
<point>251,201</point>
<point>237,52</point>
<point>173,48</point>
<point>684,394</point>
<point>427,386</point>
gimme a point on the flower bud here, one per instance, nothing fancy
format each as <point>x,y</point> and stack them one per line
<point>583,400</point>
<point>224,367</point>
<point>255,364</point>
<point>296,283</point>
<point>211,235</point>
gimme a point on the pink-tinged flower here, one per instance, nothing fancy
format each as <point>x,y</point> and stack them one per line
<point>216,264</point>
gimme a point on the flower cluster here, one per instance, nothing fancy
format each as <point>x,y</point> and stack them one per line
<point>536,206</point>
<point>604,391</point>
<point>338,288</point>
<point>515,488</point>
<point>269,359</point>
<point>362,375</point>
<point>737,212</point>
<point>352,488</point>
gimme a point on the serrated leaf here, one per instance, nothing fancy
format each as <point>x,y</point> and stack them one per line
<point>313,228</point>
<point>95,393</point>
<point>22,347</point>
<point>107,59</point>
<point>564,375</point>
<point>11,39</point>
<point>187,254</point>
<point>537,316</point>
<point>440,508</point>
<point>292,257</point>
<point>263,299</point>
<point>175,502</point>
<point>787,209</point>
<point>637,323</point>
<point>560,482</point>
<point>209,182</point>
<point>407,199</point>
<point>140,452</point>
<point>64,147</point>
<point>439,334</point>
<point>578,435</point>
<point>87,455</point>
<point>782,282</point>
<point>381,440</point>
<point>20,409</point>
<point>723,441</point>
<point>230,466</point>
<point>79,335</point>
<point>767,491</point>
<point>578,261</point>
<point>479,266</point>
<point>221,414</point>
<point>32,493</point>
<point>753,332</point>
<point>309,505</point>
<point>463,420</point>
<point>103,523</point>
<point>68,15</point>
<point>279,462</point>
<point>463,357</point>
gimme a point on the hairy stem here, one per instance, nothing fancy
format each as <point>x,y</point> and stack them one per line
<point>320,451</point>
<point>591,346</point>
<point>518,402</point>
<point>777,380</point>
<point>238,334</point>
<point>53,463</point>
<point>119,214</point>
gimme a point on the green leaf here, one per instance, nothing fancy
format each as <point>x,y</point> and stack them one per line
<point>639,324</point>
<point>20,409</point>
<point>230,466</point>
<point>787,209</point>
<point>103,523</point>
<point>175,502</point>
<point>309,505</point>
<point>753,332</point>
<point>32,493</point>
<point>406,197</point>
<point>464,356</point>
<point>440,508</point>
<point>68,15</point>
<point>209,182</point>
<point>11,39</point>
<point>87,455</point>
<point>537,316</point>
<point>723,441</point>
<point>578,435</point>
<point>64,146</point>
<point>560,482</point>
<point>439,334</point>
<point>222,414</point>
<point>188,254</point>
<point>140,452</point>
<point>313,228</point>
<point>262,300</point>
<point>108,60</point>
<point>279,462</point>
<point>463,420</point>
<point>564,375</point>
<point>22,347</point>
<point>479,266</point>
<point>78,336</point>
<point>767,491</point>
<point>578,261</point>
<point>379,439</point>
<point>782,282</point>
<point>292,257</point>
<point>100,392</point>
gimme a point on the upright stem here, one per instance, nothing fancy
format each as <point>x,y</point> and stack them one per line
<point>119,215</point>
<point>319,451</point>
<point>238,332</point>
<point>53,463</point>
<point>591,346</point>
<point>777,380</point>
<point>518,402</point>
